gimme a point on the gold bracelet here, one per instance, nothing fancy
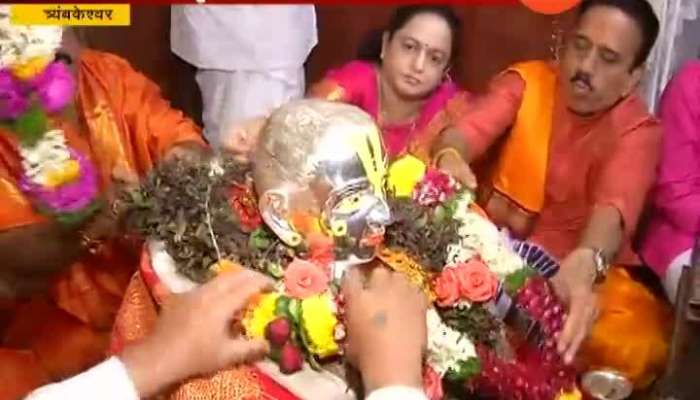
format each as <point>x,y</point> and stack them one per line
<point>443,152</point>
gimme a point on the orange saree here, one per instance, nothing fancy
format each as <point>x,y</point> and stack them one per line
<point>125,127</point>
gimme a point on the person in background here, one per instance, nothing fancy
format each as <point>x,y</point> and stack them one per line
<point>575,156</point>
<point>96,126</point>
<point>386,338</point>
<point>249,58</point>
<point>674,219</point>
<point>401,78</point>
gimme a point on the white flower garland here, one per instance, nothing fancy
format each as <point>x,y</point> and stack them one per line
<point>477,236</point>
<point>20,43</point>
<point>446,346</point>
<point>47,155</point>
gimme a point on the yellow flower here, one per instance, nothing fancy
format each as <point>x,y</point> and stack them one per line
<point>259,314</point>
<point>573,395</point>
<point>225,266</point>
<point>31,68</point>
<point>404,174</point>
<point>69,172</point>
<point>319,321</point>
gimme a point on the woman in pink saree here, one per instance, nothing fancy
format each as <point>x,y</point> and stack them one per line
<point>401,78</point>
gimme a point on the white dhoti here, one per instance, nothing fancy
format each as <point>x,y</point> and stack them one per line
<point>231,97</point>
<point>249,58</point>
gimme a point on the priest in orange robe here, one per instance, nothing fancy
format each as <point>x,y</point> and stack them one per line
<point>61,286</point>
<point>566,155</point>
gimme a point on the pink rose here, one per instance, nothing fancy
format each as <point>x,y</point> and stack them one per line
<point>476,282</point>
<point>303,279</point>
<point>432,384</point>
<point>447,287</point>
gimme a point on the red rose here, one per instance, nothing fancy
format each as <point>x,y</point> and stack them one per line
<point>476,282</point>
<point>242,200</point>
<point>432,384</point>
<point>291,359</point>
<point>447,288</point>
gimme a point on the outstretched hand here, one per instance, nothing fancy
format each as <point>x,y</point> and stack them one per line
<point>574,285</point>
<point>194,334</point>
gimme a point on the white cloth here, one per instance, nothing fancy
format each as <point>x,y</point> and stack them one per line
<point>106,381</point>
<point>397,393</point>
<point>110,381</point>
<point>677,43</point>
<point>674,272</point>
<point>250,58</point>
<point>232,97</point>
<point>243,37</point>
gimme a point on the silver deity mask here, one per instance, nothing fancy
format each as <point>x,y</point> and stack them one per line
<point>320,169</point>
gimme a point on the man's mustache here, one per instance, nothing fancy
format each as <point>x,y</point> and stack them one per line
<point>584,78</point>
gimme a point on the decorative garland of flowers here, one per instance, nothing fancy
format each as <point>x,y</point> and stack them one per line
<point>494,319</point>
<point>59,180</point>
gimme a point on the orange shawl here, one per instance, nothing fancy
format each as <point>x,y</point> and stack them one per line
<point>126,128</point>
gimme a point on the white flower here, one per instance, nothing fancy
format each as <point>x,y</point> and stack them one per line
<point>215,168</point>
<point>49,153</point>
<point>446,346</point>
<point>479,236</point>
<point>20,43</point>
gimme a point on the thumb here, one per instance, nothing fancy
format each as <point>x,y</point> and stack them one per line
<point>241,350</point>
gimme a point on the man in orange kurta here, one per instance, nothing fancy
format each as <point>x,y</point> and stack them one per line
<point>572,174</point>
<point>125,126</point>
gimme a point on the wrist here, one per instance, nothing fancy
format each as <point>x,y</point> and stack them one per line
<point>145,365</point>
<point>446,157</point>
<point>598,262</point>
<point>399,370</point>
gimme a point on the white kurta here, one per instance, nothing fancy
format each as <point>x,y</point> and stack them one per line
<point>110,381</point>
<point>250,58</point>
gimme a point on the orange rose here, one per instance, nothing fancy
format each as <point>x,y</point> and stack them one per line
<point>476,282</point>
<point>303,279</point>
<point>321,250</point>
<point>447,287</point>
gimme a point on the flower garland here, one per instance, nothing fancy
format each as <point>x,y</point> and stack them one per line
<point>494,318</point>
<point>59,180</point>
<point>483,270</point>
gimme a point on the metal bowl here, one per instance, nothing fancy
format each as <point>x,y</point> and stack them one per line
<point>606,384</point>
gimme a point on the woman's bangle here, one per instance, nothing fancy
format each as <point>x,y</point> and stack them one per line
<point>444,152</point>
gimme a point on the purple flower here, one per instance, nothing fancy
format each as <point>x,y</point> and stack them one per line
<point>13,101</point>
<point>55,87</point>
<point>69,198</point>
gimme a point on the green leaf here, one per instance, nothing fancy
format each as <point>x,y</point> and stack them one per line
<point>274,269</point>
<point>259,239</point>
<point>31,126</point>
<point>464,370</point>
<point>517,279</point>
<point>440,214</point>
<point>282,308</point>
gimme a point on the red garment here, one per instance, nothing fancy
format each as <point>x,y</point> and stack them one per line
<point>609,159</point>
